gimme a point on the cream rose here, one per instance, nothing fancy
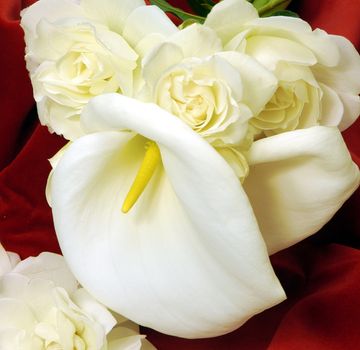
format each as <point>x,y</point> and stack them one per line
<point>43,307</point>
<point>75,51</point>
<point>317,72</point>
<point>213,92</point>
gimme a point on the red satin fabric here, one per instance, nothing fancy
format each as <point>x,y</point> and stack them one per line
<point>320,275</point>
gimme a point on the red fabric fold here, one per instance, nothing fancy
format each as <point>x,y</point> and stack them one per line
<point>320,274</point>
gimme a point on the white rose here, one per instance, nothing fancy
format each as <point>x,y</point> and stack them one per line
<point>43,307</point>
<point>75,51</point>
<point>213,92</point>
<point>318,73</point>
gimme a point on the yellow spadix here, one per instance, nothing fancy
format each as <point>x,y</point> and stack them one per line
<point>148,166</point>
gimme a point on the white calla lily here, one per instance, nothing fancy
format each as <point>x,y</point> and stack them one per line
<point>188,259</point>
<point>297,182</point>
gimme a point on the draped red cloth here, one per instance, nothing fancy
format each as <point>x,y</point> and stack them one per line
<point>320,275</point>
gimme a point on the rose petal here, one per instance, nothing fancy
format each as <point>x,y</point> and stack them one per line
<point>236,14</point>
<point>197,41</point>
<point>332,107</point>
<point>15,314</point>
<point>344,78</point>
<point>299,31</point>
<point>146,44</point>
<point>5,262</point>
<point>113,13</point>
<point>158,61</point>
<point>13,258</point>
<point>297,181</point>
<point>253,75</point>
<point>48,266</point>
<point>13,285</point>
<point>52,10</point>
<point>133,342</point>
<point>191,231</point>
<point>351,104</point>
<point>93,308</point>
<point>272,24</point>
<point>57,114</point>
<point>145,20</point>
<point>269,50</point>
<point>11,339</point>
<point>146,345</point>
<point>38,295</point>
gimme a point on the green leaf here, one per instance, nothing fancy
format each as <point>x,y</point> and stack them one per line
<point>287,13</point>
<point>260,3</point>
<point>187,23</point>
<point>266,7</point>
<point>165,6</point>
<point>201,7</point>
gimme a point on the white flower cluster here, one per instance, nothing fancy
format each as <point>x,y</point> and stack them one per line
<point>229,132</point>
<point>229,80</point>
<point>42,307</point>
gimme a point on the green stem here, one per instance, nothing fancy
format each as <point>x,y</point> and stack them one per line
<point>278,4</point>
<point>165,6</point>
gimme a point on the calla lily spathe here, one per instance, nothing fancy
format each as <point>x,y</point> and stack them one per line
<point>189,258</point>
<point>298,180</point>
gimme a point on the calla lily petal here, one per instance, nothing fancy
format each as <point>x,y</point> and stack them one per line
<point>297,181</point>
<point>188,259</point>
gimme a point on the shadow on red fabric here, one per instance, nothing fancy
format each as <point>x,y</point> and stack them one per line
<point>320,275</point>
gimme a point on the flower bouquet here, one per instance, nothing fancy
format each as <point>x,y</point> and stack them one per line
<point>198,144</point>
